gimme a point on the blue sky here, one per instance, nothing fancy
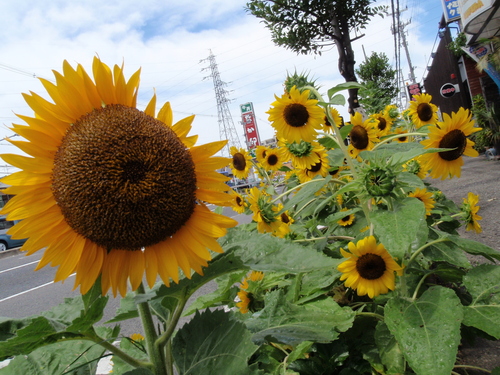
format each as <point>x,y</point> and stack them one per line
<point>167,39</point>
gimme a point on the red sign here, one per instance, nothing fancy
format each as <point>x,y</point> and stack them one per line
<point>250,126</point>
<point>448,90</point>
<point>414,89</point>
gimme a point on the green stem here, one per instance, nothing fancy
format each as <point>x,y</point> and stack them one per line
<point>165,336</point>
<point>473,368</point>
<point>378,316</point>
<point>416,253</point>
<point>92,336</point>
<point>414,297</point>
<point>150,335</point>
<point>388,139</point>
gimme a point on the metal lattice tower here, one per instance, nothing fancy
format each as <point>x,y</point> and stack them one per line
<point>227,130</point>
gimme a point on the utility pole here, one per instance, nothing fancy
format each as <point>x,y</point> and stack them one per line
<point>227,130</point>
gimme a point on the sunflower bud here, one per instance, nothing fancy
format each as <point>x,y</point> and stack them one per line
<point>379,182</point>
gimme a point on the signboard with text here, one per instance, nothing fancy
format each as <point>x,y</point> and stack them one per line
<point>249,125</point>
<point>451,10</point>
<point>414,89</point>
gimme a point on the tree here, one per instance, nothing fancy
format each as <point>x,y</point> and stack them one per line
<point>380,80</point>
<point>306,26</point>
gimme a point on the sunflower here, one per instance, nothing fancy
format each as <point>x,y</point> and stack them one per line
<point>422,111</point>
<point>404,138</point>
<point>273,160</point>
<point>264,212</point>
<point>238,203</point>
<point>416,167</point>
<point>318,169</point>
<point>363,135</point>
<point>295,117</point>
<point>470,209</point>
<point>337,121</point>
<point>260,153</point>
<point>346,220</point>
<point>241,162</point>
<point>247,300</point>
<point>369,268</point>
<point>286,219</point>
<point>425,197</point>
<point>111,190</point>
<point>452,133</point>
<point>302,154</point>
<point>383,123</point>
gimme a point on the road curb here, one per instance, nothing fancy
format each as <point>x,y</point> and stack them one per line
<point>10,252</point>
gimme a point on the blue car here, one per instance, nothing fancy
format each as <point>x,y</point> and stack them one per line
<point>6,242</point>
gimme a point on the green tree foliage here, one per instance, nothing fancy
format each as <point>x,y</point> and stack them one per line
<point>306,26</point>
<point>380,80</point>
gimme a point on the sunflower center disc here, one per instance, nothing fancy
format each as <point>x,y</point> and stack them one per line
<point>370,266</point>
<point>424,111</point>
<point>272,160</point>
<point>239,162</point>
<point>123,179</point>
<point>359,137</point>
<point>382,123</point>
<point>296,115</point>
<point>454,139</point>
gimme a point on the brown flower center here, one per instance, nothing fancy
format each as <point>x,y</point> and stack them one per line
<point>285,218</point>
<point>424,111</point>
<point>296,115</point>
<point>346,218</point>
<point>327,123</point>
<point>382,123</point>
<point>359,137</point>
<point>239,201</point>
<point>272,160</point>
<point>455,139</point>
<point>123,179</point>
<point>370,266</point>
<point>239,161</point>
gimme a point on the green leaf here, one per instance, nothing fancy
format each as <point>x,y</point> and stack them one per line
<point>127,309</point>
<point>307,193</point>
<point>344,86</point>
<point>138,371</point>
<point>29,334</point>
<point>299,351</point>
<point>77,357</point>
<point>475,248</point>
<point>218,297</point>
<point>389,351</point>
<point>316,283</point>
<point>263,252</point>
<point>213,343</point>
<point>282,321</point>
<point>88,317</point>
<point>427,329</point>
<point>345,130</point>
<point>328,142</point>
<point>403,228</point>
<point>93,294</point>
<point>483,283</point>
<point>447,252</point>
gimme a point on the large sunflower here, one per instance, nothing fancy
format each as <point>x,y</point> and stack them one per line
<point>111,190</point>
<point>363,135</point>
<point>470,210</point>
<point>452,133</point>
<point>295,117</point>
<point>369,268</point>
<point>422,111</point>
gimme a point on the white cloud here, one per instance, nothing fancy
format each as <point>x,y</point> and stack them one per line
<point>167,40</point>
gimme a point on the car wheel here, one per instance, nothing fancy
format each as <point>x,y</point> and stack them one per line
<point>3,246</point>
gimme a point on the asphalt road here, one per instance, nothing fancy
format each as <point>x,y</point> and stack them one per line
<point>24,292</point>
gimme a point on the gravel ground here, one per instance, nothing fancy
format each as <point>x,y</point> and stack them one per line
<point>481,177</point>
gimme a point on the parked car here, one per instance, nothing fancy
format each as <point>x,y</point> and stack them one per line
<point>6,242</point>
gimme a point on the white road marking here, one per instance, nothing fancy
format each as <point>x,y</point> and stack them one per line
<point>22,265</point>
<point>30,290</point>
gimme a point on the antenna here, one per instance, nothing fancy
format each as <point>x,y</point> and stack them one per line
<point>227,130</point>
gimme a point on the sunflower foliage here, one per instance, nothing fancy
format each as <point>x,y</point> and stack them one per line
<point>350,261</point>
